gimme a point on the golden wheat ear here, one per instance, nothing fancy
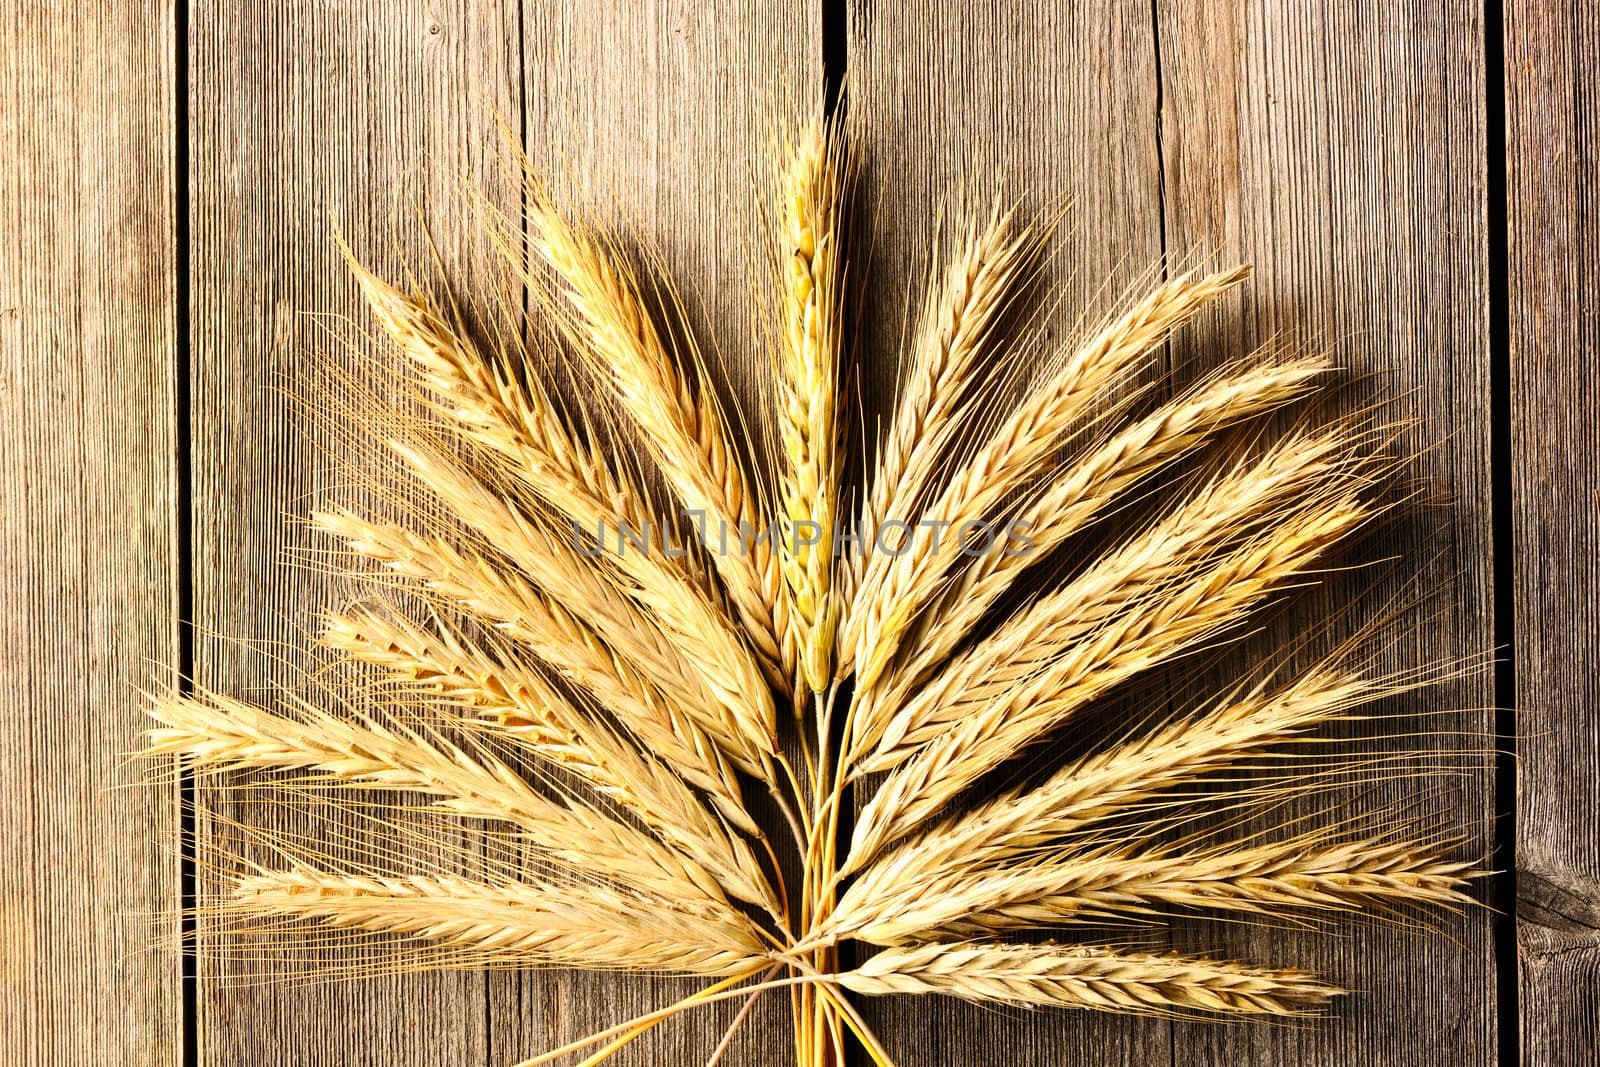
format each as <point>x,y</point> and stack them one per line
<point>597,299</point>
<point>1244,723</point>
<point>465,923</point>
<point>540,719</point>
<point>955,334</point>
<point>512,416</point>
<point>215,734</point>
<point>1304,875</point>
<point>506,602</point>
<point>1309,479</point>
<point>984,732</point>
<point>517,423</point>
<point>1071,976</point>
<point>1084,489</point>
<point>809,218</point>
<point>895,588</point>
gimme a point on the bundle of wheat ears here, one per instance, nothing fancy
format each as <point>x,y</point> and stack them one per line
<point>646,686</point>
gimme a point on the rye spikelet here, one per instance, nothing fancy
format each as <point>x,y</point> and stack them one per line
<point>546,723</point>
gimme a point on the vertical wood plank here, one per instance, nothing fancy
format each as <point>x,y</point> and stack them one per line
<point>659,115</point>
<point>89,535</point>
<point>1345,159</point>
<point>1553,266</point>
<point>301,111</point>
<point>1039,102</point>
<point>1343,154</point>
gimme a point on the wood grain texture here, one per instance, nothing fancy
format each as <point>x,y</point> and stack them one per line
<point>1340,156</point>
<point>301,112</point>
<point>1338,153</point>
<point>1039,102</point>
<point>88,548</point>
<point>312,110</point>
<point>1553,259</point>
<point>661,117</point>
<point>1343,151</point>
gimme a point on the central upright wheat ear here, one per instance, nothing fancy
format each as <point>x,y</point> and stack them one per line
<point>598,626</point>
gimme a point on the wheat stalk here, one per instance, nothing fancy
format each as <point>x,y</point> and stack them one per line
<point>517,923</point>
<point>680,422</point>
<point>1061,976</point>
<point>551,726</point>
<point>702,646</point>
<point>896,588</point>
<point>519,422</point>
<point>573,727</point>
<point>434,661</point>
<point>809,203</point>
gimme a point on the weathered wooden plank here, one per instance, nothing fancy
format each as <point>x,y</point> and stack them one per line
<point>300,111</point>
<point>89,542</point>
<point>1038,102</point>
<point>1345,160</point>
<point>660,117</point>
<point>1343,155</point>
<point>1553,265</point>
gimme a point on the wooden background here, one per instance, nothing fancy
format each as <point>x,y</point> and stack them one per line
<point>1412,179</point>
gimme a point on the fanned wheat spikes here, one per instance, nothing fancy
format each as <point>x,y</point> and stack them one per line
<point>587,679</point>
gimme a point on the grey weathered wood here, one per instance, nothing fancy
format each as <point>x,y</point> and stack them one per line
<point>1341,154</point>
<point>300,111</point>
<point>1038,102</point>
<point>88,549</point>
<point>1553,261</point>
<point>310,110</point>
<point>661,117</point>
<point>1344,159</point>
